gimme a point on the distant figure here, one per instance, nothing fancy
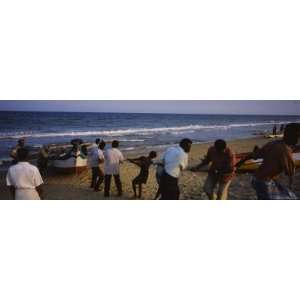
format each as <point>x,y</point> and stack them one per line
<point>277,159</point>
<point>274,129</point>
<point>221,170</point>
<point>175,159</point>
<point>112,159</point>
<point>24,179</point>
<point>13,153</point>
<point>95,158</point>
<point>43,160</point>
<point>144,163</point>
<point>281,128</point>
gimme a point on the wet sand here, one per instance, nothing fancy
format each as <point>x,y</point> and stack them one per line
<point>191,184</point>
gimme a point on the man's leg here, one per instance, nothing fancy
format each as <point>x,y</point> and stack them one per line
<point>169,188</point>
<point>209,187</point>
<point>94,177</point>
<point>118,184</point>
<point>100,179</point>
<point>261,189</point>
<point>140,190</point>
<point>134,187</point>
<point>222,193</point>
<point>107,180</point>
<point>157,193</point>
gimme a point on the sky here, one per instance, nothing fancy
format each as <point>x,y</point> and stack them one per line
<point>180,107</point>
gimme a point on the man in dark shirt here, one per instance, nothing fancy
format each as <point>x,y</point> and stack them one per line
<point>276,159</point>
<point>13,153</point>
<point>221,170</point>
<point>144,163</point>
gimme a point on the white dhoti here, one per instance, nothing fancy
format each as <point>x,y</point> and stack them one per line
<point>27,194</point>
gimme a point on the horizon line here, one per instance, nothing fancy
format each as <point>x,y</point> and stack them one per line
<point>158,113</point>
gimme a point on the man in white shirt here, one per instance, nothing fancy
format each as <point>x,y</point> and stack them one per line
<point>24,180</point>
<point>95,158</point>
<point>175,159</point>
<point>112,159</point>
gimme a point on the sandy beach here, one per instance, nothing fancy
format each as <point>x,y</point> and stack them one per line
<point>191,184</point>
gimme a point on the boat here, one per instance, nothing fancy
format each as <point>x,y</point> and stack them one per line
<point>273,136</point>
<point>74,164</point>
<point>71,161</point>
<point>252,165</point>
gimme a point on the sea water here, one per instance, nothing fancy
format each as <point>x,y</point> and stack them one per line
<point>134,131</point>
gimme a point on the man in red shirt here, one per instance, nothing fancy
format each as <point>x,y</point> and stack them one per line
<point>221,171</point>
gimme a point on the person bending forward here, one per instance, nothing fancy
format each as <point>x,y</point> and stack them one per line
<point>221,170</point>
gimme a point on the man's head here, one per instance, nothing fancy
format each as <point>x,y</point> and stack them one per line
<point>97,141</point>
<point>152,154</point>
<point>186,145</point>
<point>220,146</point>
<point>115,144</point>
<point>21,142</point>
<point>291,134</point>
<point>22,154</point>
<point>102,145</point>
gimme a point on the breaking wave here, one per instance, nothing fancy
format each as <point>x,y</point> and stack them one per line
<point>135,131</point>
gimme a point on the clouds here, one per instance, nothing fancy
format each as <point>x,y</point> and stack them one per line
<point>188,107</point>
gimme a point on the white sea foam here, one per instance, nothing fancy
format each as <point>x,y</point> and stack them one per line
<point>137,131</point>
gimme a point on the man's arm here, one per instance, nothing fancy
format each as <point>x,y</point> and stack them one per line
<point>203,163</point>
<point>101,158</point>
<point>136,161</point>
<point>39,189</point>
<point>121,158</point>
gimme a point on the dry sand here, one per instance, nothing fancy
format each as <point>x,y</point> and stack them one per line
<point>191,184</point>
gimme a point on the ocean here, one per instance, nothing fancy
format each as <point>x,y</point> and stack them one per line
<point>142,131</point>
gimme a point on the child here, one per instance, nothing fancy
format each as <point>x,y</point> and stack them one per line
<point>144,163</point>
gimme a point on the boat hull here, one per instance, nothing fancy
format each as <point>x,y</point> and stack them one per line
<point>70,165</point>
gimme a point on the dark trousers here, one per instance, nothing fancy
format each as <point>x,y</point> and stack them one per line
<point>107,181</point>
<point>97,178</point>
<point>169,187</point>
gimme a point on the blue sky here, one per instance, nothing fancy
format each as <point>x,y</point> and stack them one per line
<point>186,107</point>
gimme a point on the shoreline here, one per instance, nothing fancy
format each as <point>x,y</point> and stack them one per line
<point>74,186</point>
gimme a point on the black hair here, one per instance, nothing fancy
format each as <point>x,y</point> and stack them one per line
<point>102,145</point>
<point>97,141</point>
<point>115,144</point>
<point>21,141</point>
<point>291,133</point>
<point>22,154</point>
<point>152,154</point>
<point>185,144</point>
<point>220,145</point>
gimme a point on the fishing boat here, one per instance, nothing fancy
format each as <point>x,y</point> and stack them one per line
<point>252,165</point>
<point>71,161</point>
<point>73,164</point>
<point>273,136</point>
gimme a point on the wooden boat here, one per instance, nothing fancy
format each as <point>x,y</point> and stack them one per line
<point>253,164</point>
<point>73,164</point>
<point>274,136</point>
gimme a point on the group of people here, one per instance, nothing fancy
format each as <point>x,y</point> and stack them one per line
<point>281,129</point>
<point>277,158</point>
<point>112,158</point>
<point>25,180</point>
